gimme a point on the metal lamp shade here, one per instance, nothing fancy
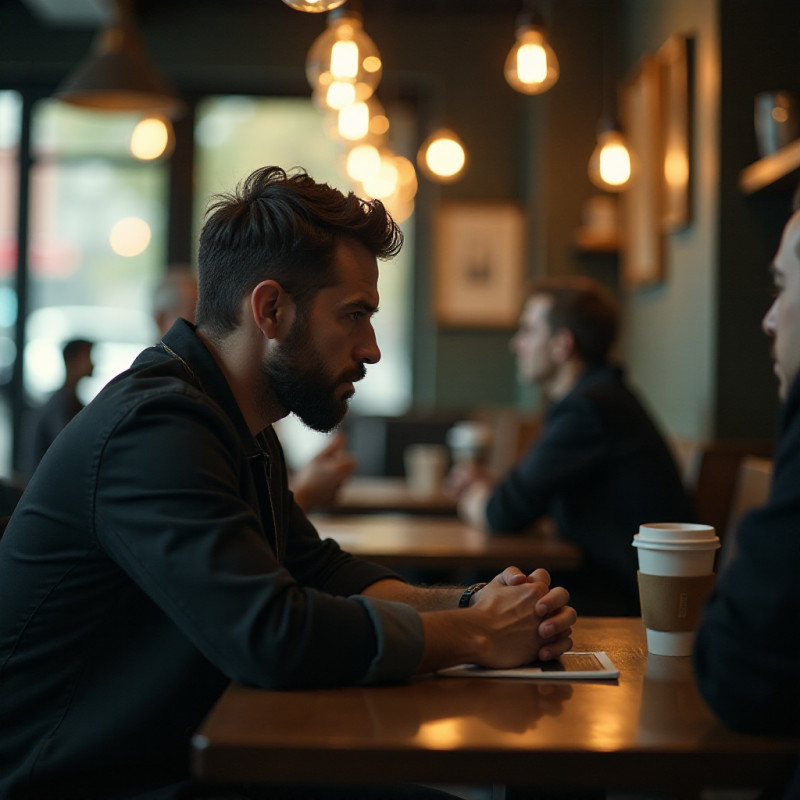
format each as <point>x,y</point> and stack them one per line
<point>120,76</point>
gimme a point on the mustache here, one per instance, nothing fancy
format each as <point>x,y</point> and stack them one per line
<point>357,374</point>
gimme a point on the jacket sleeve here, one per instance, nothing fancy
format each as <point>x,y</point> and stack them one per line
<point>169,511</point>
<point>572,444</point>
<point>747,653</point>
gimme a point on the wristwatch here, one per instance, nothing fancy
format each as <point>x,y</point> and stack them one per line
<point>468,592</point>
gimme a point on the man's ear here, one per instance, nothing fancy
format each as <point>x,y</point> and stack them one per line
<point>272,308</point>
<point>563,345</point>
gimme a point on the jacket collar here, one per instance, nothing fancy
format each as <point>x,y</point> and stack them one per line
<point>182,343</point>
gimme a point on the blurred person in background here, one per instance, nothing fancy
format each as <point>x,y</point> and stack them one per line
<point>747,652</point>
<point>62,405</point>
<point>317,483</point>
<point>600,467</point>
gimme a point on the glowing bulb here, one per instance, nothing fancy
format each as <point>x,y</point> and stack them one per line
<point>130,236</point>
<point>343,54</point>
<point>442,156</point>
<point>361,121</point>
<point>363,161</point>
<point>353,122</point>
<point>151,138</point>
<point>344,60</point>
<point>313,6</point>
<point>531,65</point>
<point>610,164</point>
<point>384,182</point>
<point>340,94</point>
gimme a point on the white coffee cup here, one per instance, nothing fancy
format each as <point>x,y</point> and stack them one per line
<point>426,468</point>
<point>670,608</point>
<point>470,440</point>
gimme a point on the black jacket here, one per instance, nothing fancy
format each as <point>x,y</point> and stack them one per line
<point>156,555</point>
<point>600,468</point>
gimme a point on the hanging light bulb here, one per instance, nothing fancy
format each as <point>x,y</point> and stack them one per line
<point>442,156</point>
<point>152,138</point>
<point>343,64</point>
<point>362,162</point>
<point>364,120</point>
<point>314,6</point>
<point>610,164</point>
<point>531,64</point>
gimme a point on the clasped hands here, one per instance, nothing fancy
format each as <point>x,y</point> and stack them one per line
<point>526,619</point>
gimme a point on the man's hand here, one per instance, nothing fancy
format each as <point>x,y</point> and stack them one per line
<point>319,481</point>
<point>526,619</point>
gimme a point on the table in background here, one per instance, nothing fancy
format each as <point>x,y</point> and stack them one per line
<point>647,730</point>
<point>370,495</point>
<point>444,543</point>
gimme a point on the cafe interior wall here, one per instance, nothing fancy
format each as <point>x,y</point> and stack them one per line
<point>532,150</point>
<point>694,342</point>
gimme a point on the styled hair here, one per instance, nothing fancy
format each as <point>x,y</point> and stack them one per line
<point>583,307</point>
<point>284,227</point>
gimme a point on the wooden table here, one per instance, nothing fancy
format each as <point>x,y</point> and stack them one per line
<point>647,730</point>
<point>420,542</point>
<point>370,495</point>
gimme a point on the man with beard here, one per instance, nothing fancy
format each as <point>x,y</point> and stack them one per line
<point>158,553</point>
<point>747,654</point>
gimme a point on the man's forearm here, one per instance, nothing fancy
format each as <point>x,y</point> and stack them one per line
<point>423,598</point>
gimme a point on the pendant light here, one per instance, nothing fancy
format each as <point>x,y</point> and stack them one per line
<point>119,75</point>
<point>343,64</point>
<point>442,156</point>
<point>314,6</point>
<point>610,165</point>
<point>531,65</point>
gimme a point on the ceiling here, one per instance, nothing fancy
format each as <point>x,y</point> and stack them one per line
<point>81,13</point>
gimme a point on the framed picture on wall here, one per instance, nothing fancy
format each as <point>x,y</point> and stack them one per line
<point>674,58</point>
<point>642,262</point>
<point>479,264</point>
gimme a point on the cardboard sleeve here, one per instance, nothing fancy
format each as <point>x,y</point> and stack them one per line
<point>673,603</point>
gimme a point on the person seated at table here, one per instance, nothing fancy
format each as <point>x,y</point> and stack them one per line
<point>157,554</point>
<point>600,466</point>
<point>746,658</point>
<point>63,404</point>
<point>317,483</point>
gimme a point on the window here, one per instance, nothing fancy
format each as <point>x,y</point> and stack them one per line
<point>236,135</point>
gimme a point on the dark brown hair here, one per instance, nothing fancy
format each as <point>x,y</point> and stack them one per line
<point>285,227</point>
<point>583,307</point>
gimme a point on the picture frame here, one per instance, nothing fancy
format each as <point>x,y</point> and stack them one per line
<point>479,264</point>
<point>676,79</point>
<point>642,258</point>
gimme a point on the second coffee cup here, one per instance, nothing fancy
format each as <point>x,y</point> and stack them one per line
<point>676,575</point>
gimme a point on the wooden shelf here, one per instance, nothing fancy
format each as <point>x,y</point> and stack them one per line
<point>779,171</point>
<point>590,241</point>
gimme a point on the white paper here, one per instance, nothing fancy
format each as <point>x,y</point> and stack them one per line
<point>571,666</point>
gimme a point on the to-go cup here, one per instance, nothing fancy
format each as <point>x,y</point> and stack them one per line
<point>676,575</point>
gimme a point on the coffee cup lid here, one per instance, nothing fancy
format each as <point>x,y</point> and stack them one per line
<point>676,535</point>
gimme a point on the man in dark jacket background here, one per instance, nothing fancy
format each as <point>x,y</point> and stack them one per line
<point>600,466</point>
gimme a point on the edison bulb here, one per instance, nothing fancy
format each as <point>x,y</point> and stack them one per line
<point>442,156</point>
<point>343,64</point>
<point>610,164</point>
<point>531,65</point>
<point>314,6</point>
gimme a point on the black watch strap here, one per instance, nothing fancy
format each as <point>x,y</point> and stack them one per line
<point>468,592</point>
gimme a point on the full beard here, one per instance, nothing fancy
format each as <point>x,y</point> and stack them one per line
<point>298,379</point>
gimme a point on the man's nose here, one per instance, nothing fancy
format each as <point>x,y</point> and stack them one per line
<point>768,323</point>
<point>368,351</point>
